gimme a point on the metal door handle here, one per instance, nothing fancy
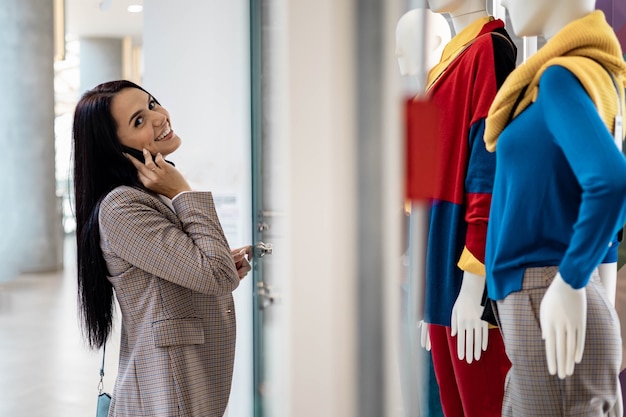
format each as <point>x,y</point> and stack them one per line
<point>266,297</point>
<point>261,249</point>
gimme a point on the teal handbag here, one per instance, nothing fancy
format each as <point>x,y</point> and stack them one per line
<point>104,399</point>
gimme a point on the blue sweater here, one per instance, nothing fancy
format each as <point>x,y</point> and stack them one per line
<point>559,195</point>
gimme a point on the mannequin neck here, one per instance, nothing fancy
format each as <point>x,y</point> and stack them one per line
<point>462,20</point>
<point>565,16</point>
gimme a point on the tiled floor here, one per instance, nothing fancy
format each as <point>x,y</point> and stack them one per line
<point>45,368</point>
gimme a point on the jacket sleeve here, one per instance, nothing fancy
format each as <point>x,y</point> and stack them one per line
<point>599,167</point>
<point>197,257</point>
<point>478,188</point>
<point>494,60</point>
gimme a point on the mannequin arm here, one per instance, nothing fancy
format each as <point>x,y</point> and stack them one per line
<point>466,318</point>
<point>563,319</point>
<point>608,277</point>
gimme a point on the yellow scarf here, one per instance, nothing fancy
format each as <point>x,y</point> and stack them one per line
<point>588,37</point>
<point>453,48</point>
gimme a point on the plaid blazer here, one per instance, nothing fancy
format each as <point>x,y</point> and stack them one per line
<point>173,276</point>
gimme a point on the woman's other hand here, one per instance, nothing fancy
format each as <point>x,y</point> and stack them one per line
<point>241,257</point>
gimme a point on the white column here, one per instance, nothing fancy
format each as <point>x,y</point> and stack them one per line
<point>101,59</point>
<point>530,46</point>
<point>322,188</point>
<point>30,220</point>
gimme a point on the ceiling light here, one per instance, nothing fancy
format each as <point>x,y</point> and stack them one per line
<point>135,8</point>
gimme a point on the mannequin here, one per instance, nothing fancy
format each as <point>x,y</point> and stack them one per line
<point>469,358</point>
<point>560,268</point>
<point>408,39</point>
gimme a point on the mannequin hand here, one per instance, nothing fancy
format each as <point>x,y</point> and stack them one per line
<point>425,335</point>
<point>472,331</point>
<point>159,176</point>
<point>563,319</point>
<point>618,408</point>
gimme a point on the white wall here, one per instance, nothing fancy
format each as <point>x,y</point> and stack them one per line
<point>320,125</point>
<point>196,58</point>
<point>197,64</point>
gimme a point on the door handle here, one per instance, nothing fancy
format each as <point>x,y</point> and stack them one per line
<point>266,297</point>
<point>261,249</point>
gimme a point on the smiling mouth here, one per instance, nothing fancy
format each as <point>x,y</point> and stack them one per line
<point>164,134</point>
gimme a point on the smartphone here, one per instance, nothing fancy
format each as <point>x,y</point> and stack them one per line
<point>139,155</point>
<point>136,153</point>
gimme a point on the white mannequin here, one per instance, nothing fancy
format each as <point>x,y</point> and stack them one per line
<point>407,39</point>
<point>462,84</point>
<point>438,34</point>
<point>563,310</point>
<point>466,322</point>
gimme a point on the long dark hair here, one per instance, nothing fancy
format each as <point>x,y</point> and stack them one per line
<point>99,167</point>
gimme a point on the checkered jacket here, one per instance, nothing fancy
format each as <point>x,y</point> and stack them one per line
<point>173,276</point>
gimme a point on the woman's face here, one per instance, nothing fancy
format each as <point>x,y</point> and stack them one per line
<point>143,123</point>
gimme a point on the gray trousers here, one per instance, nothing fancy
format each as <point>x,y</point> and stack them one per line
<point>529,389</point>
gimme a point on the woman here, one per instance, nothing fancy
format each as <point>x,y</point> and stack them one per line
<point>143,232</point>
<point>559,200</point>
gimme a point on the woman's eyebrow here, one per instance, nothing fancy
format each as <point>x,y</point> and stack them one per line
<point>135,114</point>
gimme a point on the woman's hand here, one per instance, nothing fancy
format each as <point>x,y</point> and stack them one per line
<point>159,176</point>
<point>242,264</point>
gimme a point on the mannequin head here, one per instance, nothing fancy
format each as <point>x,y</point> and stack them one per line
<point>543,17</point>
<point>408,38</point>
<point>456,7</point>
